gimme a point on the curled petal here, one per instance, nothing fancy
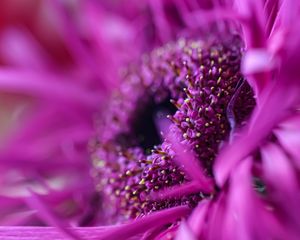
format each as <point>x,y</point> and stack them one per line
<point>197,220</point>
<point>184,232</point>
<point>288,135</point>
<point>250,216</point>
<point>260,126</point>
<point>282,185</point>
<point>257,60</point>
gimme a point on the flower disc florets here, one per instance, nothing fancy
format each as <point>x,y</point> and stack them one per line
<point>209,99</point>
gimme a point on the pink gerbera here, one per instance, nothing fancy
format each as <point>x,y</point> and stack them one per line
<point>165,120</point>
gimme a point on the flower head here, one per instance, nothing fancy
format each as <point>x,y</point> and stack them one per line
<point>211,97</point>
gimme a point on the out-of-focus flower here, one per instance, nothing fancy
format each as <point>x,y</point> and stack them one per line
<point>226,164</point>
<point>52,86</point>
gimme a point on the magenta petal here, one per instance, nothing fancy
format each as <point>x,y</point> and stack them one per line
<point>253,27</point>
<point>19,48</point>
<point>48,233</point>
<point>17,219</point>
<point>271,11</point>
<point>71,34</point>
<point>190,165</point>
<point>184,232</point>
<point>178,191</point>
<point>260,126</point>
<point>46,86</point>
<point>218,219</point>
<point>160,21</point>
<point>165,235</point>
<point>282,185</point>
<point>14,160</point>
<point>256,61</point>
<point>288,135</point>
<point>289,12</point>
<point>197,220</point>
<point>145,223</point>
<point>250,218</point>
<point>36,202</point>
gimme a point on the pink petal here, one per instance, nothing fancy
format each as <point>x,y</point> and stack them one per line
<point>288,135</point>
<point>70,33</point>
<point>178,191</point>
<point>47,86</point>
<point>253,26</point>
<point>190,165</point>
<point>282,185</point>
<point>219,222</point>
<point>197,220</point>
<point>160,21</point>
<point>260,126</point>
<point>48,233</point>
<point>145,223</point>
<point>256,61</point>
<point>271,9</point>
<point>250,217</point>
<point>184,232</point>
<point>19,48</point>
<point>36,202</point>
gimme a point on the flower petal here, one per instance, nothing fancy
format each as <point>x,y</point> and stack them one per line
<point>145,223</point>
<point>288,135</point>
<point>36,202</point>
<point>197,220</point>
<point>192,167</point>
<point>48,233</point>
<point>282,186</point>
<point>178,191</point>
<point>184,232</point>
<point>259,127</point>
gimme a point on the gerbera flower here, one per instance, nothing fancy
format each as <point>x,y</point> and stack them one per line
<point>196,131</point>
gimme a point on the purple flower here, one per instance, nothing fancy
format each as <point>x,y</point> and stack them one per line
<point>193,135</point>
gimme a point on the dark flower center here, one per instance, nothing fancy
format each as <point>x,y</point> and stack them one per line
<point>212,99</point>
<point>144,132</point>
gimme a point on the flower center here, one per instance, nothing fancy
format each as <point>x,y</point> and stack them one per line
<point>212,98</point>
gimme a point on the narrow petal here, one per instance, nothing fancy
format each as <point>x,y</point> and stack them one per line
<point>184,232</point>
<point>288,135</point>
<point>178,191</point>
<point>197,220</point>
<point>48,233</point>
<point>260,126</point>
<point>253,27</point>
<point>36,202</point>
<point>47,86</point>
<point>144,224</point>
<point>254,217</point>
<point>161,23</point>
<point>80,52</point>
<point>192,167</point>
<point>216,217</point>
<point>256,61</point>
<point>271,9</point>
<point>282,185</point>
<point>20,49</point>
